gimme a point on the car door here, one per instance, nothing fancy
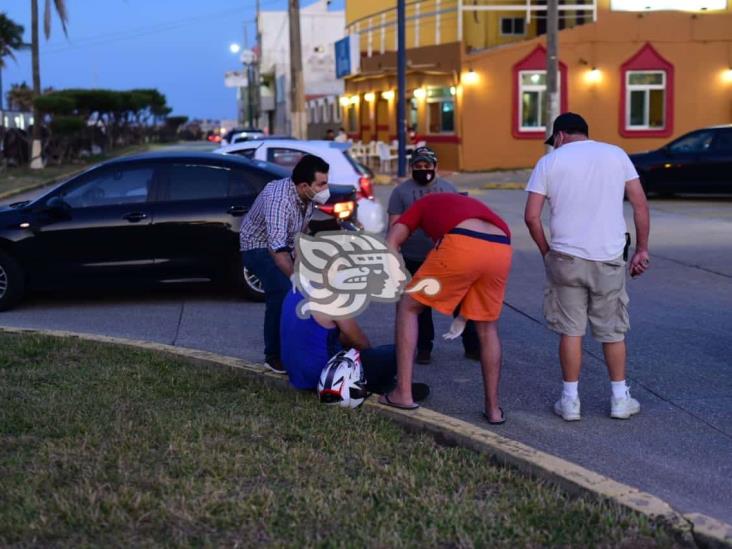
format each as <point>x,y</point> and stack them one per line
<point>198,213</point>
<point>687,165</point>
<point>104,231</point>
<point>720,164</point>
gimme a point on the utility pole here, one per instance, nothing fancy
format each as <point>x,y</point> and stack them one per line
<point>258,72</point>
<point>552,65</point>
<point>401,87</point>
<point>297,82</point>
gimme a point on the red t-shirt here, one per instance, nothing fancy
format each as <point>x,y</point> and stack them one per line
<point>437,213</point>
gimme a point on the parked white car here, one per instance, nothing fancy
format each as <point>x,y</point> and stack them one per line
<point>344,170</point>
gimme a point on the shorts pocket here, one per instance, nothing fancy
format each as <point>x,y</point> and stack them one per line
<point>550,306</point>
<point>623,318</point>
<point>563,269</point>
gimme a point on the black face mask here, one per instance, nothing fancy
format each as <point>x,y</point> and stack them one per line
<point>423,177</point>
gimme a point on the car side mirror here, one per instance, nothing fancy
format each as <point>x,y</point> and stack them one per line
<point>58,207</point>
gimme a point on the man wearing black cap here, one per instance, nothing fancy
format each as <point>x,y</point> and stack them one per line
<point>584,182</point>
<point>425,181</point>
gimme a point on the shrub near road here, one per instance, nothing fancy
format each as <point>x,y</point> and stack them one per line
<point>102,444</point>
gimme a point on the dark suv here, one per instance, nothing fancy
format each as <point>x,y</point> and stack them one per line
<point>165,217</point>
<point>698,162</point>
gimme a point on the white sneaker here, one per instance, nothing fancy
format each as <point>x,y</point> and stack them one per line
<point>567,409</point>
<point>623,408</point>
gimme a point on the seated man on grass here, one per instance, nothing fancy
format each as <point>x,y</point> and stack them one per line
<point>307,345</point>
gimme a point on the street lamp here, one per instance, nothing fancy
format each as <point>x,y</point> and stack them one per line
<point>247,58</point>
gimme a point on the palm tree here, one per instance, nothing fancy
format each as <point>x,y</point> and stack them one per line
<point>60,5</point>
<point>11,40</point>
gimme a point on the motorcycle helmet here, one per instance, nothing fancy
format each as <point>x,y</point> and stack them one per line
<point>371,216</point>
<point>342,381</point>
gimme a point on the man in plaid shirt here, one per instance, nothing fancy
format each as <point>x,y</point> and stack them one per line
<point>267,240</point>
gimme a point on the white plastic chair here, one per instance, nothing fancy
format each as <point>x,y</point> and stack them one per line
<point>385,157</point>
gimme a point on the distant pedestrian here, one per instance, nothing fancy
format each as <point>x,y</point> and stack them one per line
<point>329,135</point>
<point>342,136</point>
<point>470,266</point>
<point>424,181</point>
<point>267,240</point>
<point>584,182</point>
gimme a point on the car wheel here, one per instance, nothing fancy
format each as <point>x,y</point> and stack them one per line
<point>12,282</point>
<point>252,286</point>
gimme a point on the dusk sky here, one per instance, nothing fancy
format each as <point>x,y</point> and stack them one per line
<point>180,47</point>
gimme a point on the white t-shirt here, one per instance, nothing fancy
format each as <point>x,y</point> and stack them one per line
<point>584,183</point>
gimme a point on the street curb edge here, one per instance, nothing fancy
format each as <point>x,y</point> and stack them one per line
<point>573,478</point>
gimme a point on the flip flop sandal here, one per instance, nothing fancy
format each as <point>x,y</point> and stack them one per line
<point>500,421</point>
<point>386,401</point>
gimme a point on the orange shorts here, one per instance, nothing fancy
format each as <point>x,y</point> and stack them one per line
<point>472,272</point>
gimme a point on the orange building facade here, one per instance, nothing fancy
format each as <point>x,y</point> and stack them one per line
<point>475,88</point>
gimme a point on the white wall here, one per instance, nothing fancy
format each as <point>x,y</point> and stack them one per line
<point>319,29</point>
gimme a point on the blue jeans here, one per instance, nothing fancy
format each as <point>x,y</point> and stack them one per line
<point>275,285</point>
<point>379,366</point>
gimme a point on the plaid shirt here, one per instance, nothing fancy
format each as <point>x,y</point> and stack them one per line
<point>276,217</point>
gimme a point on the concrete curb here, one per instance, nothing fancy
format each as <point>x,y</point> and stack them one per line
<point>574,479</point>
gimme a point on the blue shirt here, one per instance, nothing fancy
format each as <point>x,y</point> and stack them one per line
<point>305,346</point>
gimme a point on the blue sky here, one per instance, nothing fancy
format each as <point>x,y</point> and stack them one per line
<point>180,47</point>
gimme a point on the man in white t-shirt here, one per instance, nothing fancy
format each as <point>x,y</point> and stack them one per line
<point>584,182</point>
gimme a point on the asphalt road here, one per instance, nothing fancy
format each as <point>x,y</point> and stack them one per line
<point>680,353</point>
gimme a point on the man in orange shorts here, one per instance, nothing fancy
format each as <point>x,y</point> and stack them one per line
<point>468,268</point>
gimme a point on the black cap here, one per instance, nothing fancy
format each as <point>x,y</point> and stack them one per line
<point>566,122</point>
<point>423,153</point>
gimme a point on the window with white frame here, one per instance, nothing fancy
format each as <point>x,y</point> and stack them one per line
<point>645,102</point>
<point>336,110</point>
<point>325,112</point>
<point>532,103</point>
<point>441,110</point>
<point>513,26</point>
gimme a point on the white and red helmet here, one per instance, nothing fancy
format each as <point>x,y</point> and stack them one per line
<point>342,381</point>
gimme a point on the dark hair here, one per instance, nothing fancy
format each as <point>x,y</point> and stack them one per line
<point>304,171</point>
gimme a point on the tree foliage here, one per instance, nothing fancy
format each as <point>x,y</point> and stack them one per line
<point>11,38</point>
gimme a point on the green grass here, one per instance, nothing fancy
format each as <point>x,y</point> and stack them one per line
<point>19,179</point>
<point>102,445</point>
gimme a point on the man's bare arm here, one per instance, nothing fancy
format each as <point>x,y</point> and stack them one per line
<point>532,218</point>
<point>393,218</point>
<point>642,219</point>
<point>397,235</point>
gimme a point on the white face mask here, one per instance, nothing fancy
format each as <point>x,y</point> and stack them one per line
<point>321,197</point>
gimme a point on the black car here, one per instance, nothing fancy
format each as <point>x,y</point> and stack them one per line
<point>698,162</point>
<point>164,217</point>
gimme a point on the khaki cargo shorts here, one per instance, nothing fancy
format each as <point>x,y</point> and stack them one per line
<point>579,290</point>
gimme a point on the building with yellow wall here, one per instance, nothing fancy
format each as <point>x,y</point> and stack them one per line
<point>476,73</point>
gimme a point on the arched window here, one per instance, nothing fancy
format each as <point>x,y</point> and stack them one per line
<point>529,116</point>
<point>646,95</point>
